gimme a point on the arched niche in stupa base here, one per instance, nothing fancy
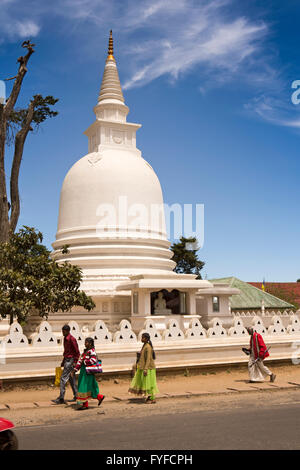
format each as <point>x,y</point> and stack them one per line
<point>15,337</point>
<point>238,328</point>
<point>216,329</point>
<point>45,336</point>
<point>195,330</point>
<point>101,335</point>
<point>276,327</point>
<point>173,332</point>
<point>294,325</point>
<point>258,325</point>
<point>125,333</point>
<point>151,329</point>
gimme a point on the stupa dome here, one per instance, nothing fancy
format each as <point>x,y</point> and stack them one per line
<point>120,179</point>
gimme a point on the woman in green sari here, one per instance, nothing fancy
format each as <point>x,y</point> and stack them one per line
<point>87,383</point>
<point>144,381</point>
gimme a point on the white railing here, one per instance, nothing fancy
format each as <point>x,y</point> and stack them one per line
<point>46,338</point>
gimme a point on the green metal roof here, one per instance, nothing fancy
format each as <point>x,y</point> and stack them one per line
<point>250,296</point>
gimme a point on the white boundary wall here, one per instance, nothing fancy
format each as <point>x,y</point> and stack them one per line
<point>175,348</point>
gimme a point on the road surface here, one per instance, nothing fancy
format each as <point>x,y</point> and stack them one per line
<point>258,421</point>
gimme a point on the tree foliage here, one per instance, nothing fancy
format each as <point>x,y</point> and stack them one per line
<point>31,281</point>
<point>186,258</point>
<point>18,117</point>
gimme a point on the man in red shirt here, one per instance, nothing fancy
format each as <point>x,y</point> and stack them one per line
<point>71,356</point>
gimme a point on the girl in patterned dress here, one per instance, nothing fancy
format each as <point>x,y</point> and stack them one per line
<point>87,383</point>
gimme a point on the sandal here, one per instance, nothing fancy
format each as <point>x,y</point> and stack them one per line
<point>101,400</point>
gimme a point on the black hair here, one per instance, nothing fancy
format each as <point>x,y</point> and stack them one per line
<point>146,335</point>
<point>66,328</point>
<point>91,342</point>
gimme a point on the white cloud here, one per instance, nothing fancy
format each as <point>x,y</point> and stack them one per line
<point>152,12</point>
<point>278,110</point>
<point>13,28</point>
<point>26,29</point>
<point>203,36</point>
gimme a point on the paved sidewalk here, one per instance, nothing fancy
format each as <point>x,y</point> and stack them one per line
<point>184,384</point>
<point>129,399</point>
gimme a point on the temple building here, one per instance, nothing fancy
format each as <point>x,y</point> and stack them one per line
<point>111,215</point>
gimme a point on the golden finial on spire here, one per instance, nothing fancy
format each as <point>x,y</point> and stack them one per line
<point>110,46</point>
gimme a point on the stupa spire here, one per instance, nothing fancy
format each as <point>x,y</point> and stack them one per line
<point>110,90</point>
<point>110,46</point>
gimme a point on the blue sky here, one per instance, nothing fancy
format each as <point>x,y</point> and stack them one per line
<point>210,82</point>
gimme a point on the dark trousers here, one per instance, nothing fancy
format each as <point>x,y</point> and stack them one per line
<point>66,376</point>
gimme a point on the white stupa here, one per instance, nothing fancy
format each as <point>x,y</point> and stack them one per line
<point>111,217</point>
<point>109,195</point>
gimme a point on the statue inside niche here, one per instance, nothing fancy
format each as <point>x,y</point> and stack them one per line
<point>160,306</point>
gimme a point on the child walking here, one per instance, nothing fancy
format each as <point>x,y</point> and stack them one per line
<point>87,383</point>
